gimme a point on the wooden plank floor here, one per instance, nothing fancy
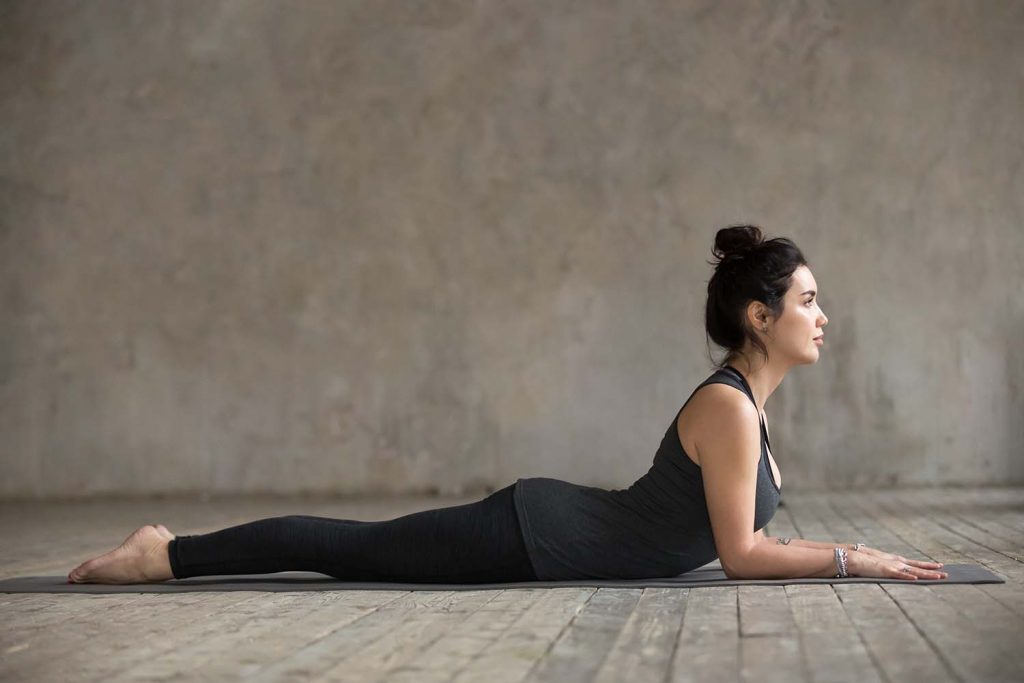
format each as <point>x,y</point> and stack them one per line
<point>853,632</point>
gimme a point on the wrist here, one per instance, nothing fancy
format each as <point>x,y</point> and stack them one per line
<point>853,563</point>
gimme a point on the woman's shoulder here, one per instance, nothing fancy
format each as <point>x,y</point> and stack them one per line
<point>718,402</point>
<point>721,390</point>
<point>715,408</point>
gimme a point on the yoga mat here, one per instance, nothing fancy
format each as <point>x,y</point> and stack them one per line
<point>312,581</point>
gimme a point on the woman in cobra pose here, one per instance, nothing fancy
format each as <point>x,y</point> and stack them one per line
<point>712,488</point>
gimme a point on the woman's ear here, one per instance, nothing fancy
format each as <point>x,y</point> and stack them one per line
<point>758,315</point>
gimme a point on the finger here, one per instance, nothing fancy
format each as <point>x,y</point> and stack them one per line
<point>925,564</point>
<point>924,573</point>
<point>901,571</point>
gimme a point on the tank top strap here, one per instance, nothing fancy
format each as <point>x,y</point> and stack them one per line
<point>733,372</point>
<point>750,394</point>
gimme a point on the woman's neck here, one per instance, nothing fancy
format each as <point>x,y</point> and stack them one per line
<point>762,379</point>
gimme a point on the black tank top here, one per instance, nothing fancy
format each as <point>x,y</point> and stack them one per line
<point>658,527</point>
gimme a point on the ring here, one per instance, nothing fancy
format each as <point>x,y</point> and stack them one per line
<point>905,569</point>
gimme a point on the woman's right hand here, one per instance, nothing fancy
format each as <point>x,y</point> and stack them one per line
<point>862,564</point>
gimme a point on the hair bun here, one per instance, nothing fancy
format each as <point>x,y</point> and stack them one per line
<point>736,241</point>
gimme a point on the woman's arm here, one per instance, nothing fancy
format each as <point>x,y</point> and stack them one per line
<point>864,553</point>
<point>804,543</point>
<point>730,449</point>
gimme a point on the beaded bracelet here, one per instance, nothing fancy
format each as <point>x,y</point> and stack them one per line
<point>841,563</point>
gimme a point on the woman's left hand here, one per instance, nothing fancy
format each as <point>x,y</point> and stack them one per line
<point>923,564</point>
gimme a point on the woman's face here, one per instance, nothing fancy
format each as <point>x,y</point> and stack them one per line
<point>793,334</point>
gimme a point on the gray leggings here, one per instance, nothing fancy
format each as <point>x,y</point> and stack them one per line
<point>478,542</point>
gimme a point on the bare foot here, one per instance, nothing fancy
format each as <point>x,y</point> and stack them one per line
<point>142,558</point>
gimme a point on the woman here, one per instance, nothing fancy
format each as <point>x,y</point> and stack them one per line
<point>711,490</point>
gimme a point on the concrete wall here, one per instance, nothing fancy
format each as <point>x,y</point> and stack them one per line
<point>409,246</point>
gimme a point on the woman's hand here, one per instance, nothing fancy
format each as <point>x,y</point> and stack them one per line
<point>878,564</point>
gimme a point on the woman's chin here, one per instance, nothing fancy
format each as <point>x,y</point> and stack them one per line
<point>812,358</point>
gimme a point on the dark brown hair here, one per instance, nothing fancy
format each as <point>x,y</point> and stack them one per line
<point>747,268</point>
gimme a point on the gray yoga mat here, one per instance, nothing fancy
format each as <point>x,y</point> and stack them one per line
<point>313,581</point>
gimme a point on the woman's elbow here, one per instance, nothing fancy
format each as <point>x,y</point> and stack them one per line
<point>738,563</point>
<point>732,569</point>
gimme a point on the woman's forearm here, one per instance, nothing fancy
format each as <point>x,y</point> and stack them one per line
<point>775,561</point>
<point>804,543</point>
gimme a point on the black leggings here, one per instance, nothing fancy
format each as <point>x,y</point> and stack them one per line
<point>478,542</point>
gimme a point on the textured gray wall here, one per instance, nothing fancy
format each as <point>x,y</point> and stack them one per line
<point>404,246</point>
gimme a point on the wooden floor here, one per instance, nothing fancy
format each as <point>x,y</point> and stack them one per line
<point>853,632</point>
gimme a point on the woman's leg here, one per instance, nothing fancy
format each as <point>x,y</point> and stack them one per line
<point>473,543</point>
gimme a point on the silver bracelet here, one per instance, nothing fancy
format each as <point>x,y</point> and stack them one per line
<point>858,545</point>
<point>841,563</point>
